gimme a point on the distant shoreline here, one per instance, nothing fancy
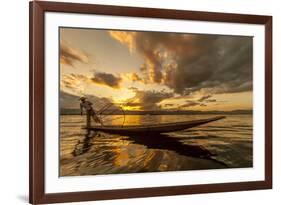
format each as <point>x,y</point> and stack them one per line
<point>165,112</point>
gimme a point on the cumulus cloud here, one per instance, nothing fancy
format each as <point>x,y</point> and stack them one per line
<point>147,100</point>
<point>75,82</point>
<point>188,63</point>
<point>70,55</point>
<point>107,79</point>
<point>202,101</point>
<point>134,77</point>
<point>124,37</point>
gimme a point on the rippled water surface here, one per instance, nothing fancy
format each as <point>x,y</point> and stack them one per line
<point>226,143</point>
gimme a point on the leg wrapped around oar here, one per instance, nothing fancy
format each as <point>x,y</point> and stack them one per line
<point>95,117</point>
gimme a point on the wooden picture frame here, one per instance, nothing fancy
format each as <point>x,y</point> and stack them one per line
<point>38,9</point>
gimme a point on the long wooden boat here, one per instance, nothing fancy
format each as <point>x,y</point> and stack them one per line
<point>152,128</point>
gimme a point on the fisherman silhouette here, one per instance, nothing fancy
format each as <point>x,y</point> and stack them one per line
<point>87,105</point>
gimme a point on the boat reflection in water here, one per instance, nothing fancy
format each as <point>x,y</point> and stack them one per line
<point>222,144</point>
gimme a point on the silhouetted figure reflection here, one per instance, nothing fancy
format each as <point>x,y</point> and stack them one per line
<point>83,146</point>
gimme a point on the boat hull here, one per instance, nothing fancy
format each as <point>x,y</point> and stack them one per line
<point>155,128</point>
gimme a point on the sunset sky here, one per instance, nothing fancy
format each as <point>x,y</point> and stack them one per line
<point>156,70</point>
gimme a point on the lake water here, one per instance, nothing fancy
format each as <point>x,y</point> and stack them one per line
<point>226,143</point>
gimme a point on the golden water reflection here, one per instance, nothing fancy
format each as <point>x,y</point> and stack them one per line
<point>222,144</point>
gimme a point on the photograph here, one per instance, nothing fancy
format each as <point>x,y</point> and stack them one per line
<point>153,101</point>
<point>132,102</point>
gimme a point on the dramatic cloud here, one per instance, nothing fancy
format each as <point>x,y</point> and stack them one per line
<point>147,100</point>
<point>134,77</point>
<point>70,56</point>
<point>202,101</point>
<point>107,79</point>
<point>205,97</point>
<point>169,105</point>
<point>124,37</point>
<point>189,63</point>
<point>211,100</point>
<point>75,82</point>
<point>190,104</point>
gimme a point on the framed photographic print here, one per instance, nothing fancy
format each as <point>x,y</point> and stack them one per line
<point>139,102</point>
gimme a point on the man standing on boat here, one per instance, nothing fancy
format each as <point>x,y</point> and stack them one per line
<point>87,105</point>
